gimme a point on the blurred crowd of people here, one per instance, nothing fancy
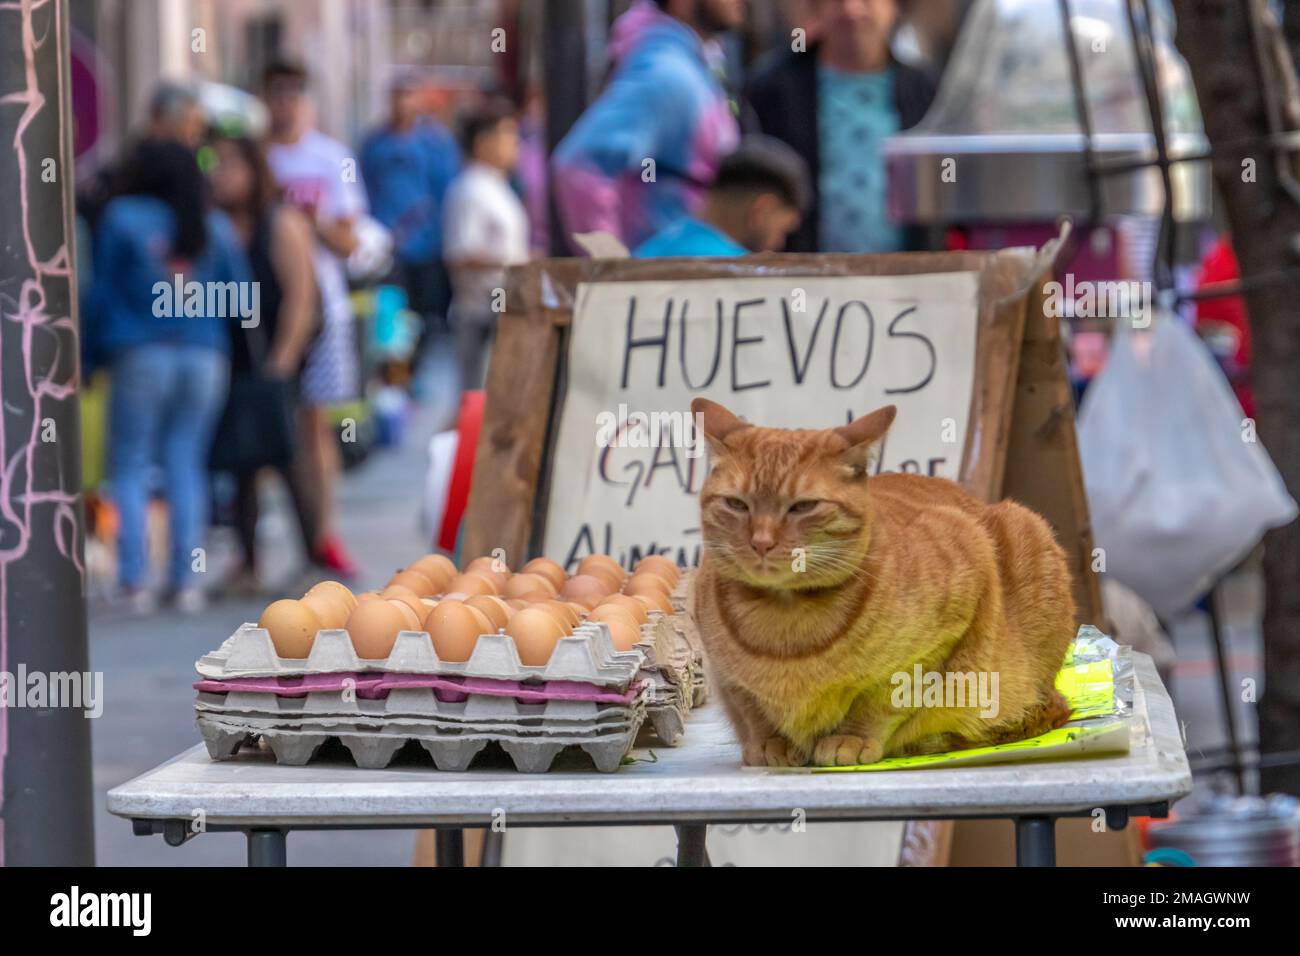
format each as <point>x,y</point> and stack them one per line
<point>675,157</point>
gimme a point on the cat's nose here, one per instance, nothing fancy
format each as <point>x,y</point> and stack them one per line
<point>761,543</point>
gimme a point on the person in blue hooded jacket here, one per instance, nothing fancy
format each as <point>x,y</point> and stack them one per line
<point>169,276</point>
<point>640,158</point>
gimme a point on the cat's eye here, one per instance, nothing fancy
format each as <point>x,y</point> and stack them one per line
<point>803,506</point>
<point>735,504</point>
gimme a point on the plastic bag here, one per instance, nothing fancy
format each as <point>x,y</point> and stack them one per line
<point>1179,490</point>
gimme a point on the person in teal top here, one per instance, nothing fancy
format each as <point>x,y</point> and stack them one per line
<point>757,199</point>
<point>689,237</point>
<point>855,118</point>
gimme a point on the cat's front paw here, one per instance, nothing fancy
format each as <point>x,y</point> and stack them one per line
<point>843,750</point>
<point>779,752</point>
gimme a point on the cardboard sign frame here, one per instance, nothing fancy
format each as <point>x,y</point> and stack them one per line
<point>1020,443</point>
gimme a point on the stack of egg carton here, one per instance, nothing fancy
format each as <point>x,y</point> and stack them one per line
<point>670,666</point>
<point>685,622</point>
<point>588,696</point>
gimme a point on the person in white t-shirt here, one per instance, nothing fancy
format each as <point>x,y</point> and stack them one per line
<point>319,175</point>
<point>485,229</point>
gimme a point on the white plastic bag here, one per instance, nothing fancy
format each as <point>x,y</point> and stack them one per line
<point>1178,489</point>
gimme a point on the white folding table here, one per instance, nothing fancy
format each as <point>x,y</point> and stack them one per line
<point>690,786</point>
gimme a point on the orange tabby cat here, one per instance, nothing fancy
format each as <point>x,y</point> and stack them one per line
<point>820,589</point>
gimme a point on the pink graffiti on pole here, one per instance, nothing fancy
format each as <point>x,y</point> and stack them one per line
<point>45,341</point>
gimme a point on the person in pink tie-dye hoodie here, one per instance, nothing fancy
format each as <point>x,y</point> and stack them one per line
<point>641,156</point>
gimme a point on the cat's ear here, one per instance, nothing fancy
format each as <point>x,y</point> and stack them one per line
<point>716,423</point>
<point>862,437</point>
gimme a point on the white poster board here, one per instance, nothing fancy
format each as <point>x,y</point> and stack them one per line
<point>793,352</point>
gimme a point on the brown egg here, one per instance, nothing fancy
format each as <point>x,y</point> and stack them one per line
<point>655,601</point>
<point>436,568</point>
<point>535,634</point>
<point>454,629</point>
<point>410,616</point>
<point>585,590</point>
<point>328,607</point>
<point>486,562</point>
<point>611,580</point>
<point>645,584</point>
<point>547,569</point>
<point>339,590</point>
<point>604,561</point>
<point>613,612</point>
<point>373,627</point>
<point>396,592</point>
<point>471,582</point>
<point>416,581</point>
<point>492,569</point>
<point>292,626</point>
<point>523,584</point>
<point>660,565</point>
<point>563,613</point>
<point>638,609</point>
<point>518,603</point>
<point>623,634</point>
<point>493,608</point>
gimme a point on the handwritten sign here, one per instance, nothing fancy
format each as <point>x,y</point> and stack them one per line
<point>793,352</point>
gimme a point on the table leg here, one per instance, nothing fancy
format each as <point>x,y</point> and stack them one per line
<point>451,848</point>
<point>493,844</point>
<point>691,847</point>
<point>268,848</point>
<point>1035,841</point>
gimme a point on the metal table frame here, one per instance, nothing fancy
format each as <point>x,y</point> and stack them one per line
<point>268,846</point>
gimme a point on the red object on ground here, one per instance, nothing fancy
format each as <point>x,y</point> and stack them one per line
<point>462,470</point>
<point>331,554</point>
<point>1218,268</point>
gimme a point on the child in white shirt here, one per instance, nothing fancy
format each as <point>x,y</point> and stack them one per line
<point>485,229</point>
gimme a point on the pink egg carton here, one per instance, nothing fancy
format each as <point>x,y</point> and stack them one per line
<point>421,707</point>
<point>367,686</point>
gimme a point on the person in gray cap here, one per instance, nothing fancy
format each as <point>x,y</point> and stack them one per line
<point>175,114</point>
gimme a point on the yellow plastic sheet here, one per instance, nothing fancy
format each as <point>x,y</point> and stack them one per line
<point>1094,728</point>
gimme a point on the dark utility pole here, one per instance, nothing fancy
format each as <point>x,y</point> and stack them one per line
<point>1243,75</point>
<point>45,804</point>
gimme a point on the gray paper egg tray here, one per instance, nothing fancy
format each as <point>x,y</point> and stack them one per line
<point>374,748</point>
<point>261,723</point>
<point>588,655</point>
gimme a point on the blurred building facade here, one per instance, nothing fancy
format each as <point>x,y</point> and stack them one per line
<point>123,48</point>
